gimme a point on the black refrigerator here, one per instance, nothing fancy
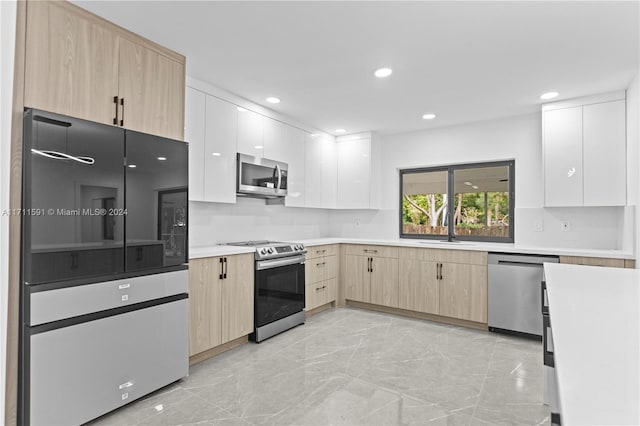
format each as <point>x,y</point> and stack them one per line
<point>103,267</point>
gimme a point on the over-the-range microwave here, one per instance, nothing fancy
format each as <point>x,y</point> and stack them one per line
<point>261,177</point>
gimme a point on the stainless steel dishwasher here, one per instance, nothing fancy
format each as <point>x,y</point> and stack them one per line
<point>514,292</point>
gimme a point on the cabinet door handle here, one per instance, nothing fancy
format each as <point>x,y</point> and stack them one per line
<point>226,268</point>
<point>439,271</point>
<point>115,101</point>
<point>321,264</point>
<point>320,251</point>
<point>74,260</point>
<point>370,251</point>
<point>221,268</point>
<point>371,264</point>
<point>122,118</point>
<point>125,385</point>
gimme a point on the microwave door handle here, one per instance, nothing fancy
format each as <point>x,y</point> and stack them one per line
<point>279,176</point>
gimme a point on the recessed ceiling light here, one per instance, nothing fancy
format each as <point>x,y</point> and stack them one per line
<point>258,147</point>
<point>133,166</point>
<point>429,116</point>
<point>468,183</point>
<point>341,130</point>
<point>273,100</point>
<point>549,95</point>
<point>162,158</point>
<point>475,186</point>
<point>241,109</point>
<point>383,72</point>
<point>216,154</point>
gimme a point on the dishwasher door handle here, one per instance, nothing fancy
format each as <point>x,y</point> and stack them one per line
<point>516,263</point>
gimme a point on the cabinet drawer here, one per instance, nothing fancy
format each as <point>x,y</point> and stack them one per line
<point>593,261</point>
<point>53,305</point>
<point>319,294</point>
<point>442,255</point>
<point>371,250</point>
<point>136,353</point>
<point>319,251</point>
<point>321,269</point>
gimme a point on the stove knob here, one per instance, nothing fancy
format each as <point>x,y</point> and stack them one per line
<point>263,251</point>
<point>270,250</point>
<point>299,247</point>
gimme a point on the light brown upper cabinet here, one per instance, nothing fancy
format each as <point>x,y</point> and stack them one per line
<point>81,65</point>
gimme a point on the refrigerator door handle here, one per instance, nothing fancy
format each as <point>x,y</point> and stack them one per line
<point>63,156</point>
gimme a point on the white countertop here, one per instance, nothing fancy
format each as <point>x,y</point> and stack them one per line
<point>595,322</point>
<point>476,246</point>
<point>222,250</point>
<point>218,250</point>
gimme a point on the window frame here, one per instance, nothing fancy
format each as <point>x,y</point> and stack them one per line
<point>450,169</point>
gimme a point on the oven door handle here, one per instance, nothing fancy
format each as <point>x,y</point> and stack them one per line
<point>275,263</point>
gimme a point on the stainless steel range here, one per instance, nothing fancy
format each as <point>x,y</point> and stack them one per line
<point>279,287</point>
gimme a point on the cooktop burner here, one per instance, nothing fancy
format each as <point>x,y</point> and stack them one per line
<point>272,249</point>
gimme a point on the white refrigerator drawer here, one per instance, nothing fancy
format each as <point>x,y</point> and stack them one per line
<point>53,305</point>
<point>83,371</point>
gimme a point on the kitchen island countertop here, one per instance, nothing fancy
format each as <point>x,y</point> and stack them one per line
<point>595,323</point>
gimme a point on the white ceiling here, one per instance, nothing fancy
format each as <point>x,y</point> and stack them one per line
<point>464,61</point>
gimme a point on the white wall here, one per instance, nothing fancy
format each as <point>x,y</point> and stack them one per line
<point>7,47</point>
<point>251,219</point>
<point>519,138</point>
<point>633,154</point>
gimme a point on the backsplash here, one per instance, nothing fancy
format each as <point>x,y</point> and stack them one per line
<point>252,219</point>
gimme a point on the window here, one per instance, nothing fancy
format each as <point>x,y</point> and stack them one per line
<point>478,198</point>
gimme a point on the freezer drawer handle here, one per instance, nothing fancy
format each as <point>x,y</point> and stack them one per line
<point>125,385</point>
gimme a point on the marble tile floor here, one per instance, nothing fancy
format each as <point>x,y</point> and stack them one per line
<point>349,366</point>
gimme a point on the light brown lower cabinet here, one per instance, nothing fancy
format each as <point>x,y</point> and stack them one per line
<point>320,293</point>
<point>220,300</point>
<point>450,283</point>
<point>371,279</point>
<point>593,261</point>
<point>321,276</point>
<point>463,291</point>
<point>419,286</point>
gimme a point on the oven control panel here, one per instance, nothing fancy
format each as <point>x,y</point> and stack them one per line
<point>279,250</point>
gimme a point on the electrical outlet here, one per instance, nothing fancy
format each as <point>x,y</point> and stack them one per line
<point>357,223</point>
<point>565,226</point>
<point>538,225</point>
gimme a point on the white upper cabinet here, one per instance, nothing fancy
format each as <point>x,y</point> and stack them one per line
<point>296,175</point>
<point>250,132</point>
<point>210,130</point>
<point>354,172</point>
<point>584,150</point>
<point>220,151</point>
<point>604,154</point>
<point>194,113</point>
<point>563,157</point>
<point>321,172</point>
<point>274,139</point>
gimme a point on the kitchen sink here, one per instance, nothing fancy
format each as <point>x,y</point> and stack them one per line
<point>455,243</point>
